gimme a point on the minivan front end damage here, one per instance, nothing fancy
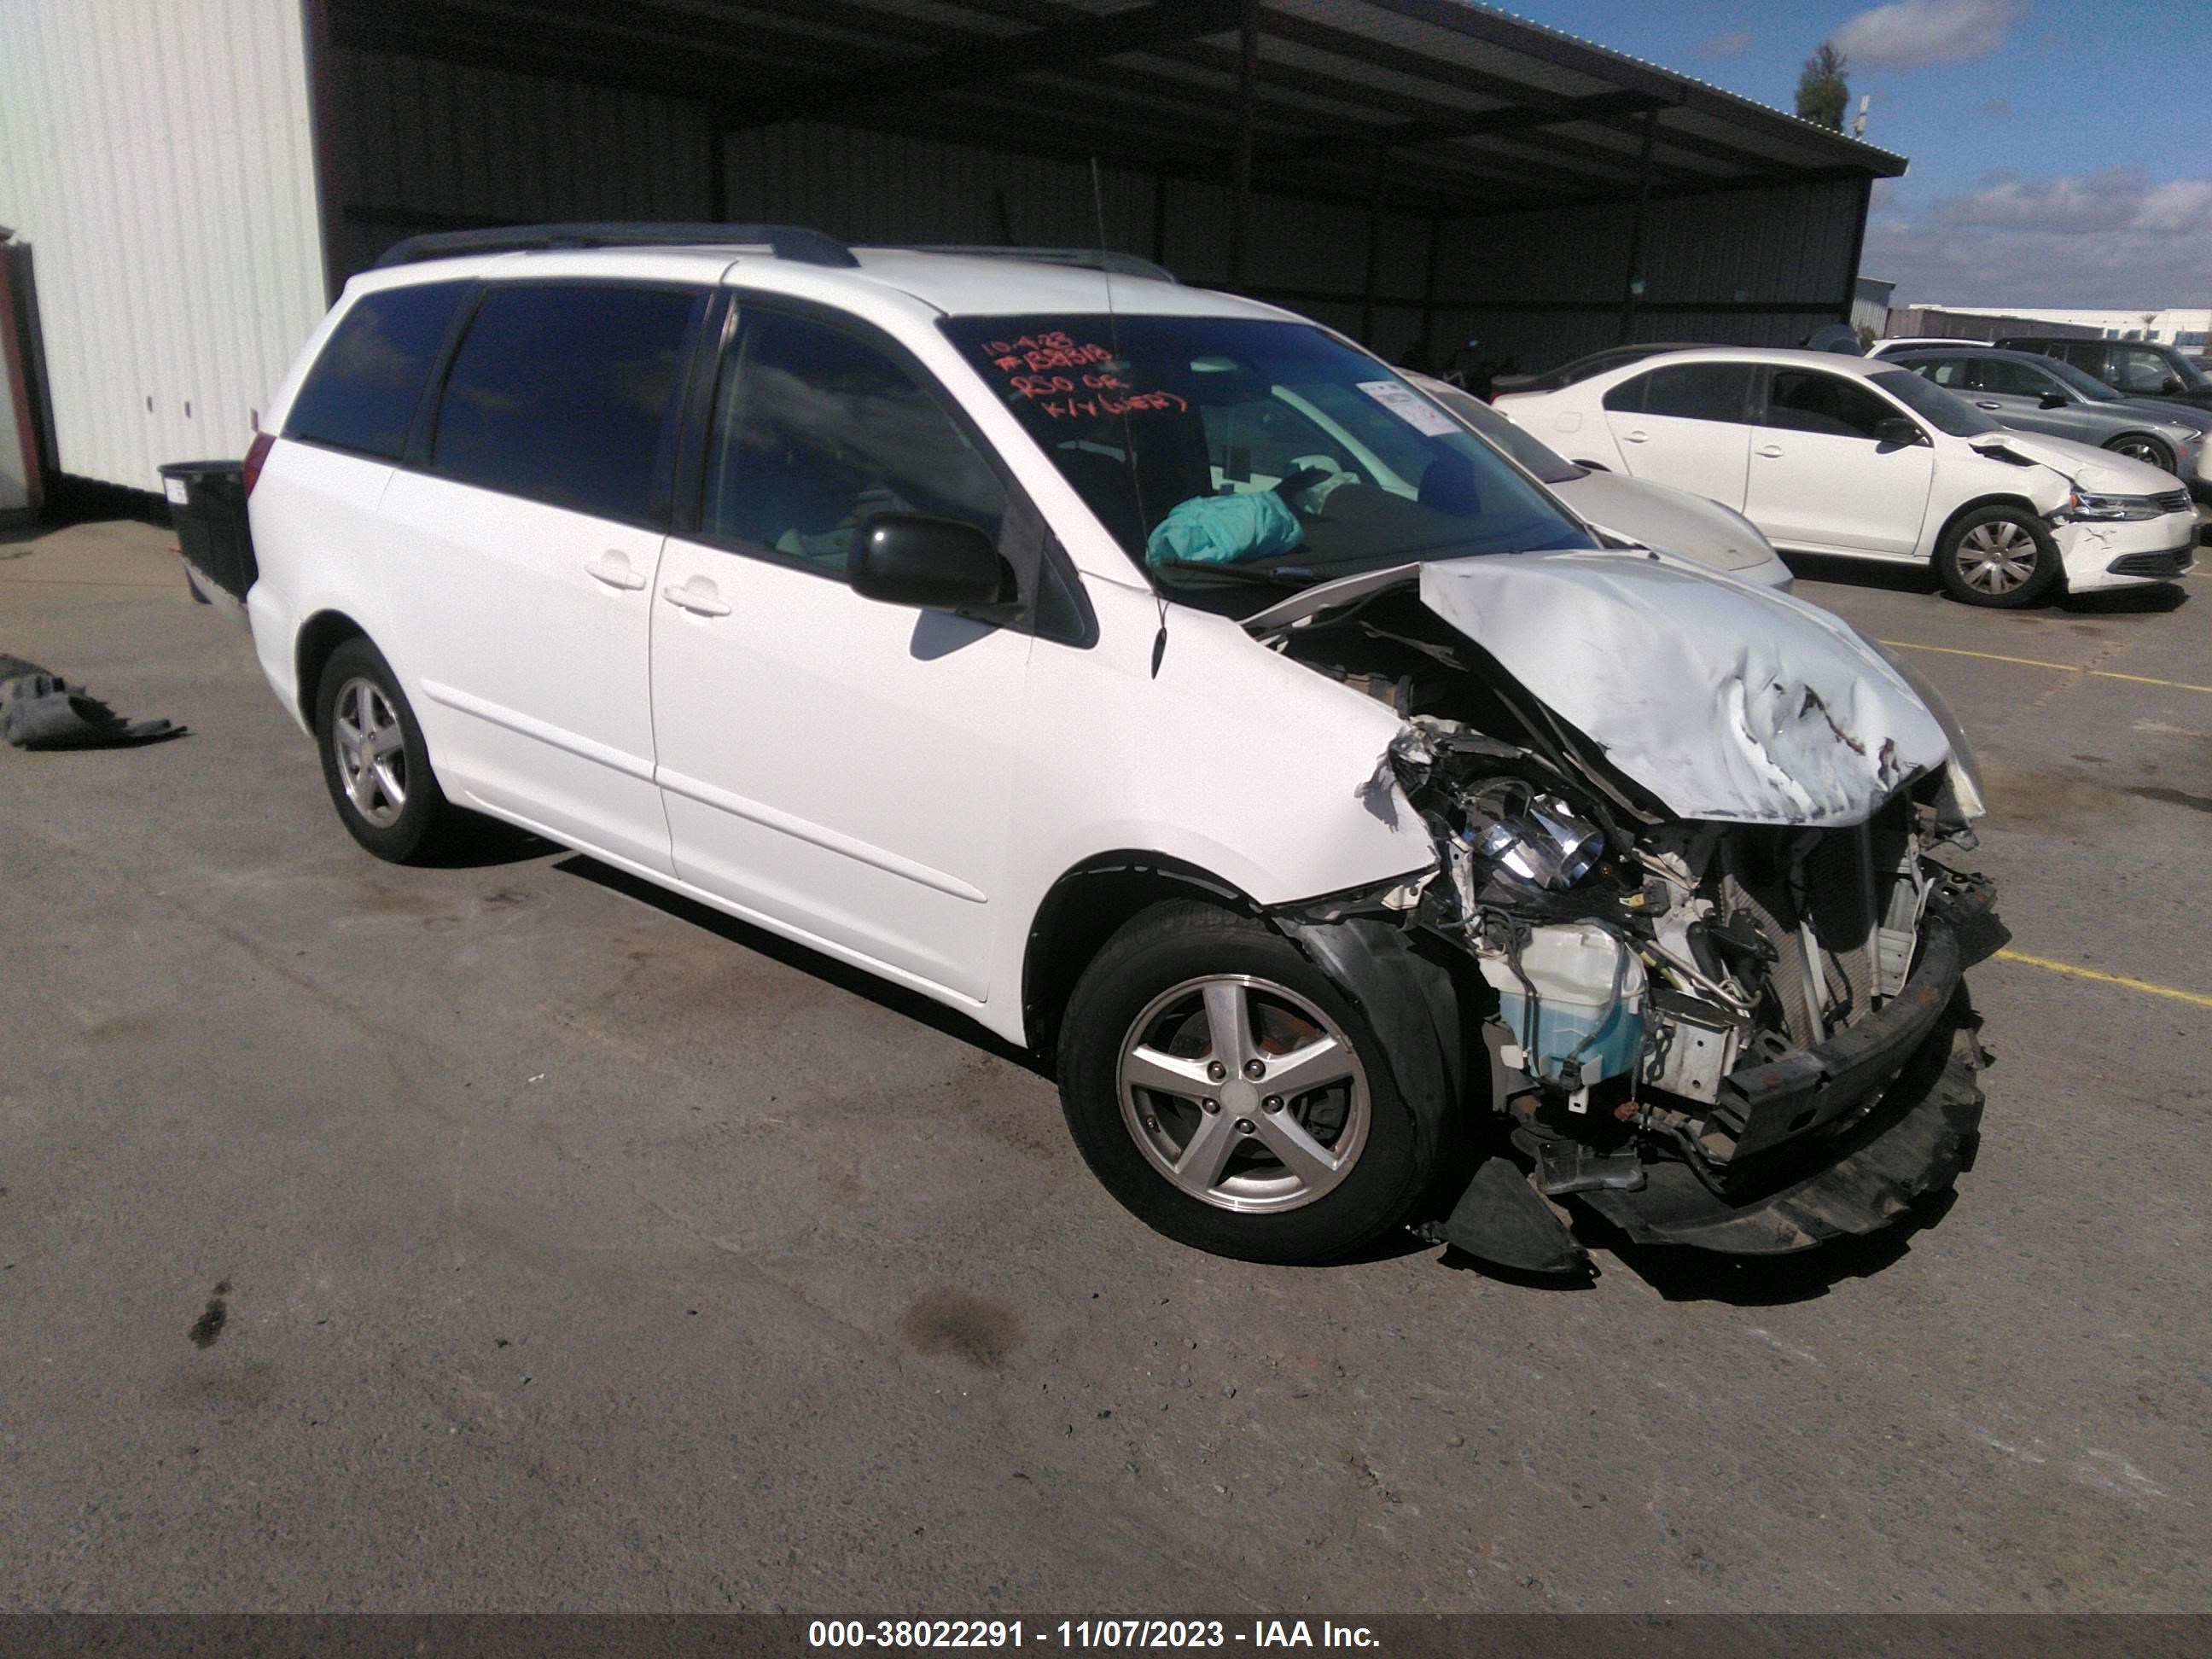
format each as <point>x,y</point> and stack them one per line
<point>1685,881</point>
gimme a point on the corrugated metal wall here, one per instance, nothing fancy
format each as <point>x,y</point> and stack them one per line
<point>421,145</point>
<point>155,155</point>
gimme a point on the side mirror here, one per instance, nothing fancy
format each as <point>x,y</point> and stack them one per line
<point>1899,432</point>
<point>932,564</point>
<point>2168,386</point>
<point>2053,400</point>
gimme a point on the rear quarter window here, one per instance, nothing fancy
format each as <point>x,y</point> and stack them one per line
<point>362,390</point>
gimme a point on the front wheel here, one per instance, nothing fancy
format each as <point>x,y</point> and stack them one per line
<point>2137,447</point>
<point>2000,556</point>
<point>1232,1097</point>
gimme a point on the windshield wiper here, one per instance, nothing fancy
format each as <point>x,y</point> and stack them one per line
<point>1230,575</point>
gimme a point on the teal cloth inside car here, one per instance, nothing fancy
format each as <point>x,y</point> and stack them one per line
<point>1225,530</point>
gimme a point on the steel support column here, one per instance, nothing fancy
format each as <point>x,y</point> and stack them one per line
<point>1631,282</point>
<point>1373,248</point>
<point>1248,59</point>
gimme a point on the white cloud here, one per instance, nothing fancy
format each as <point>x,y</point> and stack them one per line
<point>1910,32</point>
<point>2111,238</point>
<point>1733,44</point>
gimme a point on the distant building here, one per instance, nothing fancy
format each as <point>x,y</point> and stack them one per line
<point>2175,325</point>
<point>1871,303</point>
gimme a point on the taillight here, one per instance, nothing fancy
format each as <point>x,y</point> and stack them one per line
<point>257,452</point>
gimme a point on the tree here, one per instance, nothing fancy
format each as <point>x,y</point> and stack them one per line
<point>1823,94</point>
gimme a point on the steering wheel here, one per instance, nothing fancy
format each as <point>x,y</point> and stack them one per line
<point>1316,476</point>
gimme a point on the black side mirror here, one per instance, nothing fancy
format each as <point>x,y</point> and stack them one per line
<point>932,564</point>
<point>1899,432</point>
<point>2053,400</point>
<point>2168,386</point>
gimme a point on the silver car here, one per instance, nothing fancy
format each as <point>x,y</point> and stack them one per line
<point>1632,509</point>
<point>2033,393</point>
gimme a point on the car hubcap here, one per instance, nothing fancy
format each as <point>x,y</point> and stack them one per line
<point>1996,558</point>
<point>371,754</point>
<point>1243,1094</point>
<point>2139,451</point>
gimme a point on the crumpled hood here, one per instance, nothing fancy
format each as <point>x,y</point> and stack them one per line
<point>2098,472</point>
<point>1726,701</point>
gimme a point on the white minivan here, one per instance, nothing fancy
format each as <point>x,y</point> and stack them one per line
<point>1162,681</point>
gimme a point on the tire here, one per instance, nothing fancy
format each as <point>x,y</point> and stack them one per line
<point>1151,997</point>
<point>1998,557</point>
<point>392,806</point>
<point>2139,446</point>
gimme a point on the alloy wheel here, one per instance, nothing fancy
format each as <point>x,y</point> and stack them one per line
<point>2143,450</point>
<point>1243,1094</point>
<point>371,752</point>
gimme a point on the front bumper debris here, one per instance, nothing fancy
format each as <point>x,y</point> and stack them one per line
<point>1887,1163</point>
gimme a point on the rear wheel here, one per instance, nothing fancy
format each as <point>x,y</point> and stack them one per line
<point>2001,556</point>
<point>375,762</point>
<point>1232,1097</point>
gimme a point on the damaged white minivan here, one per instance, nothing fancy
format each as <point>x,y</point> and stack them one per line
<point>1363,841</point>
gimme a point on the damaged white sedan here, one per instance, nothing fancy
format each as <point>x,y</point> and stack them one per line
<point>1161,680</point>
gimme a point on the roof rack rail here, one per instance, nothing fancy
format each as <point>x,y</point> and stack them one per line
<point>793,242</point>
<point>1085,259</point>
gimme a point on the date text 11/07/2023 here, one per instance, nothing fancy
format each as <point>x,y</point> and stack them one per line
<point>1124,1633</point>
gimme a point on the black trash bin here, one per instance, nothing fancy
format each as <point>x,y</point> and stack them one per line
<point>207,503</point>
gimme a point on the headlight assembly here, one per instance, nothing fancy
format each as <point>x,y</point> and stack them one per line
<point>2108,508</point>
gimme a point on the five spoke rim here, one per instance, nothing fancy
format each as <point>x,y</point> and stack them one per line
<point>371,753</point>
<point>1243,1094</point>
<point>1997,557</point>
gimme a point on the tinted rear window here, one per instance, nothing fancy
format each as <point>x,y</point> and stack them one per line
<point>361,392</point>
<point>1687,392</point>
<point>566,392</point>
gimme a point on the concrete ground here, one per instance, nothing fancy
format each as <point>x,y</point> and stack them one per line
<point>511,1237</point>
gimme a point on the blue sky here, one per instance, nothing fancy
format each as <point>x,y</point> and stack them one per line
<point>2060,156</point>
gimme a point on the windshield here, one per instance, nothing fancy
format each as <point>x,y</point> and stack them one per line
<point>1223,450</point>
<point>1547,464</point>
<point>1934,406</point>
<point>2081,380</point>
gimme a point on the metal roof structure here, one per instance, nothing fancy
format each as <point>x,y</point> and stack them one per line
<point>1458,110</point>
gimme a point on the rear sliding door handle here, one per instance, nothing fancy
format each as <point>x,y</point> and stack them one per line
<point>614,570</point>
<point>1772,452</point>
<point>699,601</point>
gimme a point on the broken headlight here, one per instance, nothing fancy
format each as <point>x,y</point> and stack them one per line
<point>1540,838</point>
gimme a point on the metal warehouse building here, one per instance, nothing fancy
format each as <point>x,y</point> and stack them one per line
<point>190,182</point>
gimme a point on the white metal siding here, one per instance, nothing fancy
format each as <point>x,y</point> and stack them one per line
<point>155,155</point>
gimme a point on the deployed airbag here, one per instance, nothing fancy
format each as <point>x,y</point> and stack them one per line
<point>1225,530</point>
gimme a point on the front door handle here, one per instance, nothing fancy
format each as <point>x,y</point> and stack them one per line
<point>1979,404</point>
<point>697,596</point>
<point>614,570</point>
<point>1636,437</point>
<point>1772,452</point>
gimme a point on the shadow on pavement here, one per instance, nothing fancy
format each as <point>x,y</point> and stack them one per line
<point>857,981</point>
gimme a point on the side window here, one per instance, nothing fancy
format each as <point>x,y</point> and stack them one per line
<point>566,392</point>
<point>1627,398</point>
<point>1801,400</point>
<point>1944,371</point>
<point>361,392</point>
<point>1687,391</point>
<point>816,430</point>
<point>2136,370</point>
<point>2008,379</point>
<point>2087,355</point>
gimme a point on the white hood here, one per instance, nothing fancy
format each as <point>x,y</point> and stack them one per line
<point>1726,701</point>
<point>2098,472</point>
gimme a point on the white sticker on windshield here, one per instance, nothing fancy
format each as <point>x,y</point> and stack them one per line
<point>1409,406</point>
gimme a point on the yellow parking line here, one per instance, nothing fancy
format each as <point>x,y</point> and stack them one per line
<point>2103,978</point>
<point>2037,662</point>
